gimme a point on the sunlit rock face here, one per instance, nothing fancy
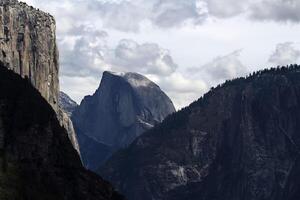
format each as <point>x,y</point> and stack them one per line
<point>66,108</point>
<point>124,106</point>
<point>67,104</point>
<point>240,141</point>
<point>28,46</point>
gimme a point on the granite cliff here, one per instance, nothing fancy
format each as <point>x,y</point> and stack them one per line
<point>37,160</point>
<point>241,140</point>
<point>67,104</point>
<point>66,107</point>
<point>123,107</point>
<point>28,47</point>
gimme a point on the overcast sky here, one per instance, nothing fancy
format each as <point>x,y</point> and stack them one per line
<point>185,46</point>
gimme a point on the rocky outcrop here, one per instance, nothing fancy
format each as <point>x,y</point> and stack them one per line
<point>37,160</point>
<point>240,141</point>
<point>66,123</point>
<point>124,106</point>
<point>66,103</point>
<point>66,108</point>
<point>28,46</point>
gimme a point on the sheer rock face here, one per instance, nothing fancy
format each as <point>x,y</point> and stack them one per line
<point>66,103</point>
<point>240,141</point>
<point>28,46</point>
<point>66,123</point>
<point>37,160</point>
<point>66,108</point>
<point>124,106</point>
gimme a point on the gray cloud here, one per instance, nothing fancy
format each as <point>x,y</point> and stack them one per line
<point>285,54</point>
<point>226,8</point>
<point>128,15</point>
<point>276,10</point>
<point>82,51</point>
<point>220,69</point>
<point>85,53</point>
<point>167,13</point>
<point>146,58</point>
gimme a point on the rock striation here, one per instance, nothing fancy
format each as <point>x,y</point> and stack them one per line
<point>123,107</point>
<point>28,47</point>
<point>37,160</point>
<point>66,103</point>
<point>241,140</point>
<point>66,108</point>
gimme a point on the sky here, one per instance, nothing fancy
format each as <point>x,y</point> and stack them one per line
<point>184,46</point>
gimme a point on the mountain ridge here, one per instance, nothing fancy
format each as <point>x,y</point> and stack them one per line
<point>236,142</point>
<point>123,107</point>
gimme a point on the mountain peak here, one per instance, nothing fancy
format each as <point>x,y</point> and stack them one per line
<point>222,147</point>
<point>134,79</point>
<point>123,107</point>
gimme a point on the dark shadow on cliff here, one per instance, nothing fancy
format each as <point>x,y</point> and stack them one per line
<point>37,159</point>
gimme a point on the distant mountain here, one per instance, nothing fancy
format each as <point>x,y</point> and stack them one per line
<point>37,160</point>
<point>123,107</point>
<point>66,103</point>
<point>239,141</point>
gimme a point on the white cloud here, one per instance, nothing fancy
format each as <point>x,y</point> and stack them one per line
<point>82,51</point>
<point>181,89</point>
<point>285,54</point>
<point>226,8</point>
<point>90,38</point>
<point>128,15</point>
<point>225,67</point>
<point>148,58</point>
<point>220,69</point>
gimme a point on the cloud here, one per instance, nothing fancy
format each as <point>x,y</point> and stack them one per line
<point>220,69</point>
<point>88,33</point>
<point>129,15</point>
<point>182,89</point>
<point>226,8</point>
<point>85,52</point>
<point>285,54</point>
<point>120,15</point>
<point>225,67</point>
<point>82,51</point>
<point>276,10</point>
<point>187,86</point>
<point>168,13</point>
<point>148,58</point>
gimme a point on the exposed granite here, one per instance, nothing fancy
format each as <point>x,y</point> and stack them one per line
<point>240,141</point>
<point>66,123</point>
<point>37,160</point>
<point>28,46</point>
<point>66,108</point>
<point>122,108</point>
<point>66,103</point>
